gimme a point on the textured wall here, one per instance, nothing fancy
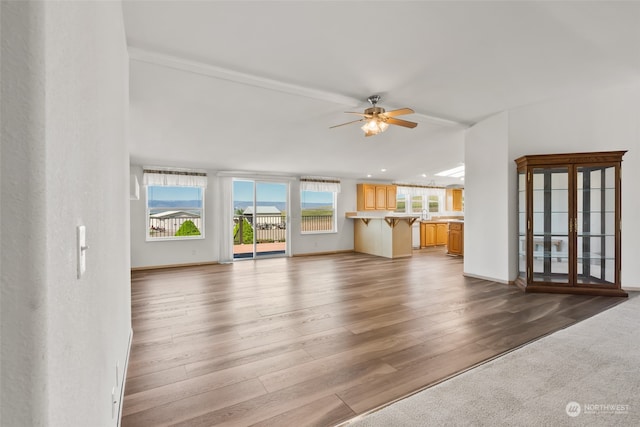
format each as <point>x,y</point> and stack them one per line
<point>145,254</point>
<point>486,203</point>
<point>64,163</point>
<point>24,291</point>
<point>603,120</point>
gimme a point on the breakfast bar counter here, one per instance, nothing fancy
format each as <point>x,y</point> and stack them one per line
<point>387,236</point>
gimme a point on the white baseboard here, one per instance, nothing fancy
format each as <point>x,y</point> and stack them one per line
<point>491,279</point>
<point>124,377</point>
<point>188,264</point>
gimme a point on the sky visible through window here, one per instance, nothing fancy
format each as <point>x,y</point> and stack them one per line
<point>267,192</point>
<point>174,196</point>
<point>324,197</point>
<point>275,194</point>
<point>317,197</point>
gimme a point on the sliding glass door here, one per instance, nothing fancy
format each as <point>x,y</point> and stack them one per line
<point>261,217</point>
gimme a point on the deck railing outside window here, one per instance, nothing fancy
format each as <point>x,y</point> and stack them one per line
<point>317,223</point>
<point>268,228</point>
<point>273,228</point>
<point>168,227</point>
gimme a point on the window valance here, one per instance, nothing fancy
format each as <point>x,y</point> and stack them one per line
<point>174,177</point>
<point>319,183</point>
<point>420,190</point>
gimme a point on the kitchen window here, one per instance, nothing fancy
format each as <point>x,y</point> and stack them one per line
<point>434,203</point>
<point>416,204</point>
<point>401,203</point>
<point>423,199</point>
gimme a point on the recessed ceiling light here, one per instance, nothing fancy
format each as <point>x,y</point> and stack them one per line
<point>368,175</point>
<point>424,175</point>
<point>383,170</point>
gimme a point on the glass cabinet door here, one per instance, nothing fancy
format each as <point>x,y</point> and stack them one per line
<point>522,224</point>
<point>550,227</point>
<point>596,225</point>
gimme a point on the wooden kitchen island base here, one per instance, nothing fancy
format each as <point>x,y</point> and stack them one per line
<point>388,237</point>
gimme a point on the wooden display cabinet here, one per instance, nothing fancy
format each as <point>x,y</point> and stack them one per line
<point>569,223</point>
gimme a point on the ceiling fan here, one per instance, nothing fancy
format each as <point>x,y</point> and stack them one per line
<point>377,120</point>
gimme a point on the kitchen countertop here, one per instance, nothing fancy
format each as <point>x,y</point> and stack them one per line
<point>373,215</point>
<point>366,215</point>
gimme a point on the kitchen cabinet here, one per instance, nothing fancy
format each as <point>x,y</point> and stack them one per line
<point>442,232</point>
<point>391,191</point>
<point>376,197</point>
<point>454,199</point>
<point>569,223</point>
<point>433,233</point>
<point>427,234</point>
<point>381,197</point>
<point>455,244</point>
<point>367,197</point>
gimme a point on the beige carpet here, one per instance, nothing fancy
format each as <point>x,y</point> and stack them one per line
<point>585,375</point>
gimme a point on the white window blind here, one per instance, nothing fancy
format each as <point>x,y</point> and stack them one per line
<point>318,183</point>
<point>174,178</point>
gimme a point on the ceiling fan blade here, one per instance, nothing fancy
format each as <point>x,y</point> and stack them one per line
<point>359,114</point>
<point>399,112</point>
<point>401,122</point>
<point>348,123</point>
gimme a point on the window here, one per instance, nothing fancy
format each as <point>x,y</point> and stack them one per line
<point>416,204</point>
<point>175,212</point>
<point>175,204</point>
<point>318,210</point>
<point>401,202</point>
<point>424,199</point>
<point>434,203</point>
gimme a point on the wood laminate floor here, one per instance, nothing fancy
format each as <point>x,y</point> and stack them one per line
<point>318,340</point>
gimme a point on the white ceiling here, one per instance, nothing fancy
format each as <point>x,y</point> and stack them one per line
<point>255,86</point>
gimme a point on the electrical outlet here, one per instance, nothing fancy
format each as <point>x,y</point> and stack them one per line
<point>114,403</point>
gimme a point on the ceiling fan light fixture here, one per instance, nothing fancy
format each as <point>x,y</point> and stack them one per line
<point>374,126</point>
<point>377,119</point>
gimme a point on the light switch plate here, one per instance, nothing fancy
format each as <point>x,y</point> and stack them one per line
<point>82,250</point>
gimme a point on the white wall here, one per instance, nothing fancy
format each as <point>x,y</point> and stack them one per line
<point>158,253</point>
<point>164,253</point>
<point>23,396</point>
<point>64,163</point>
<point>603,120</point>
<point>487,241</point>
<point>329,242</point>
